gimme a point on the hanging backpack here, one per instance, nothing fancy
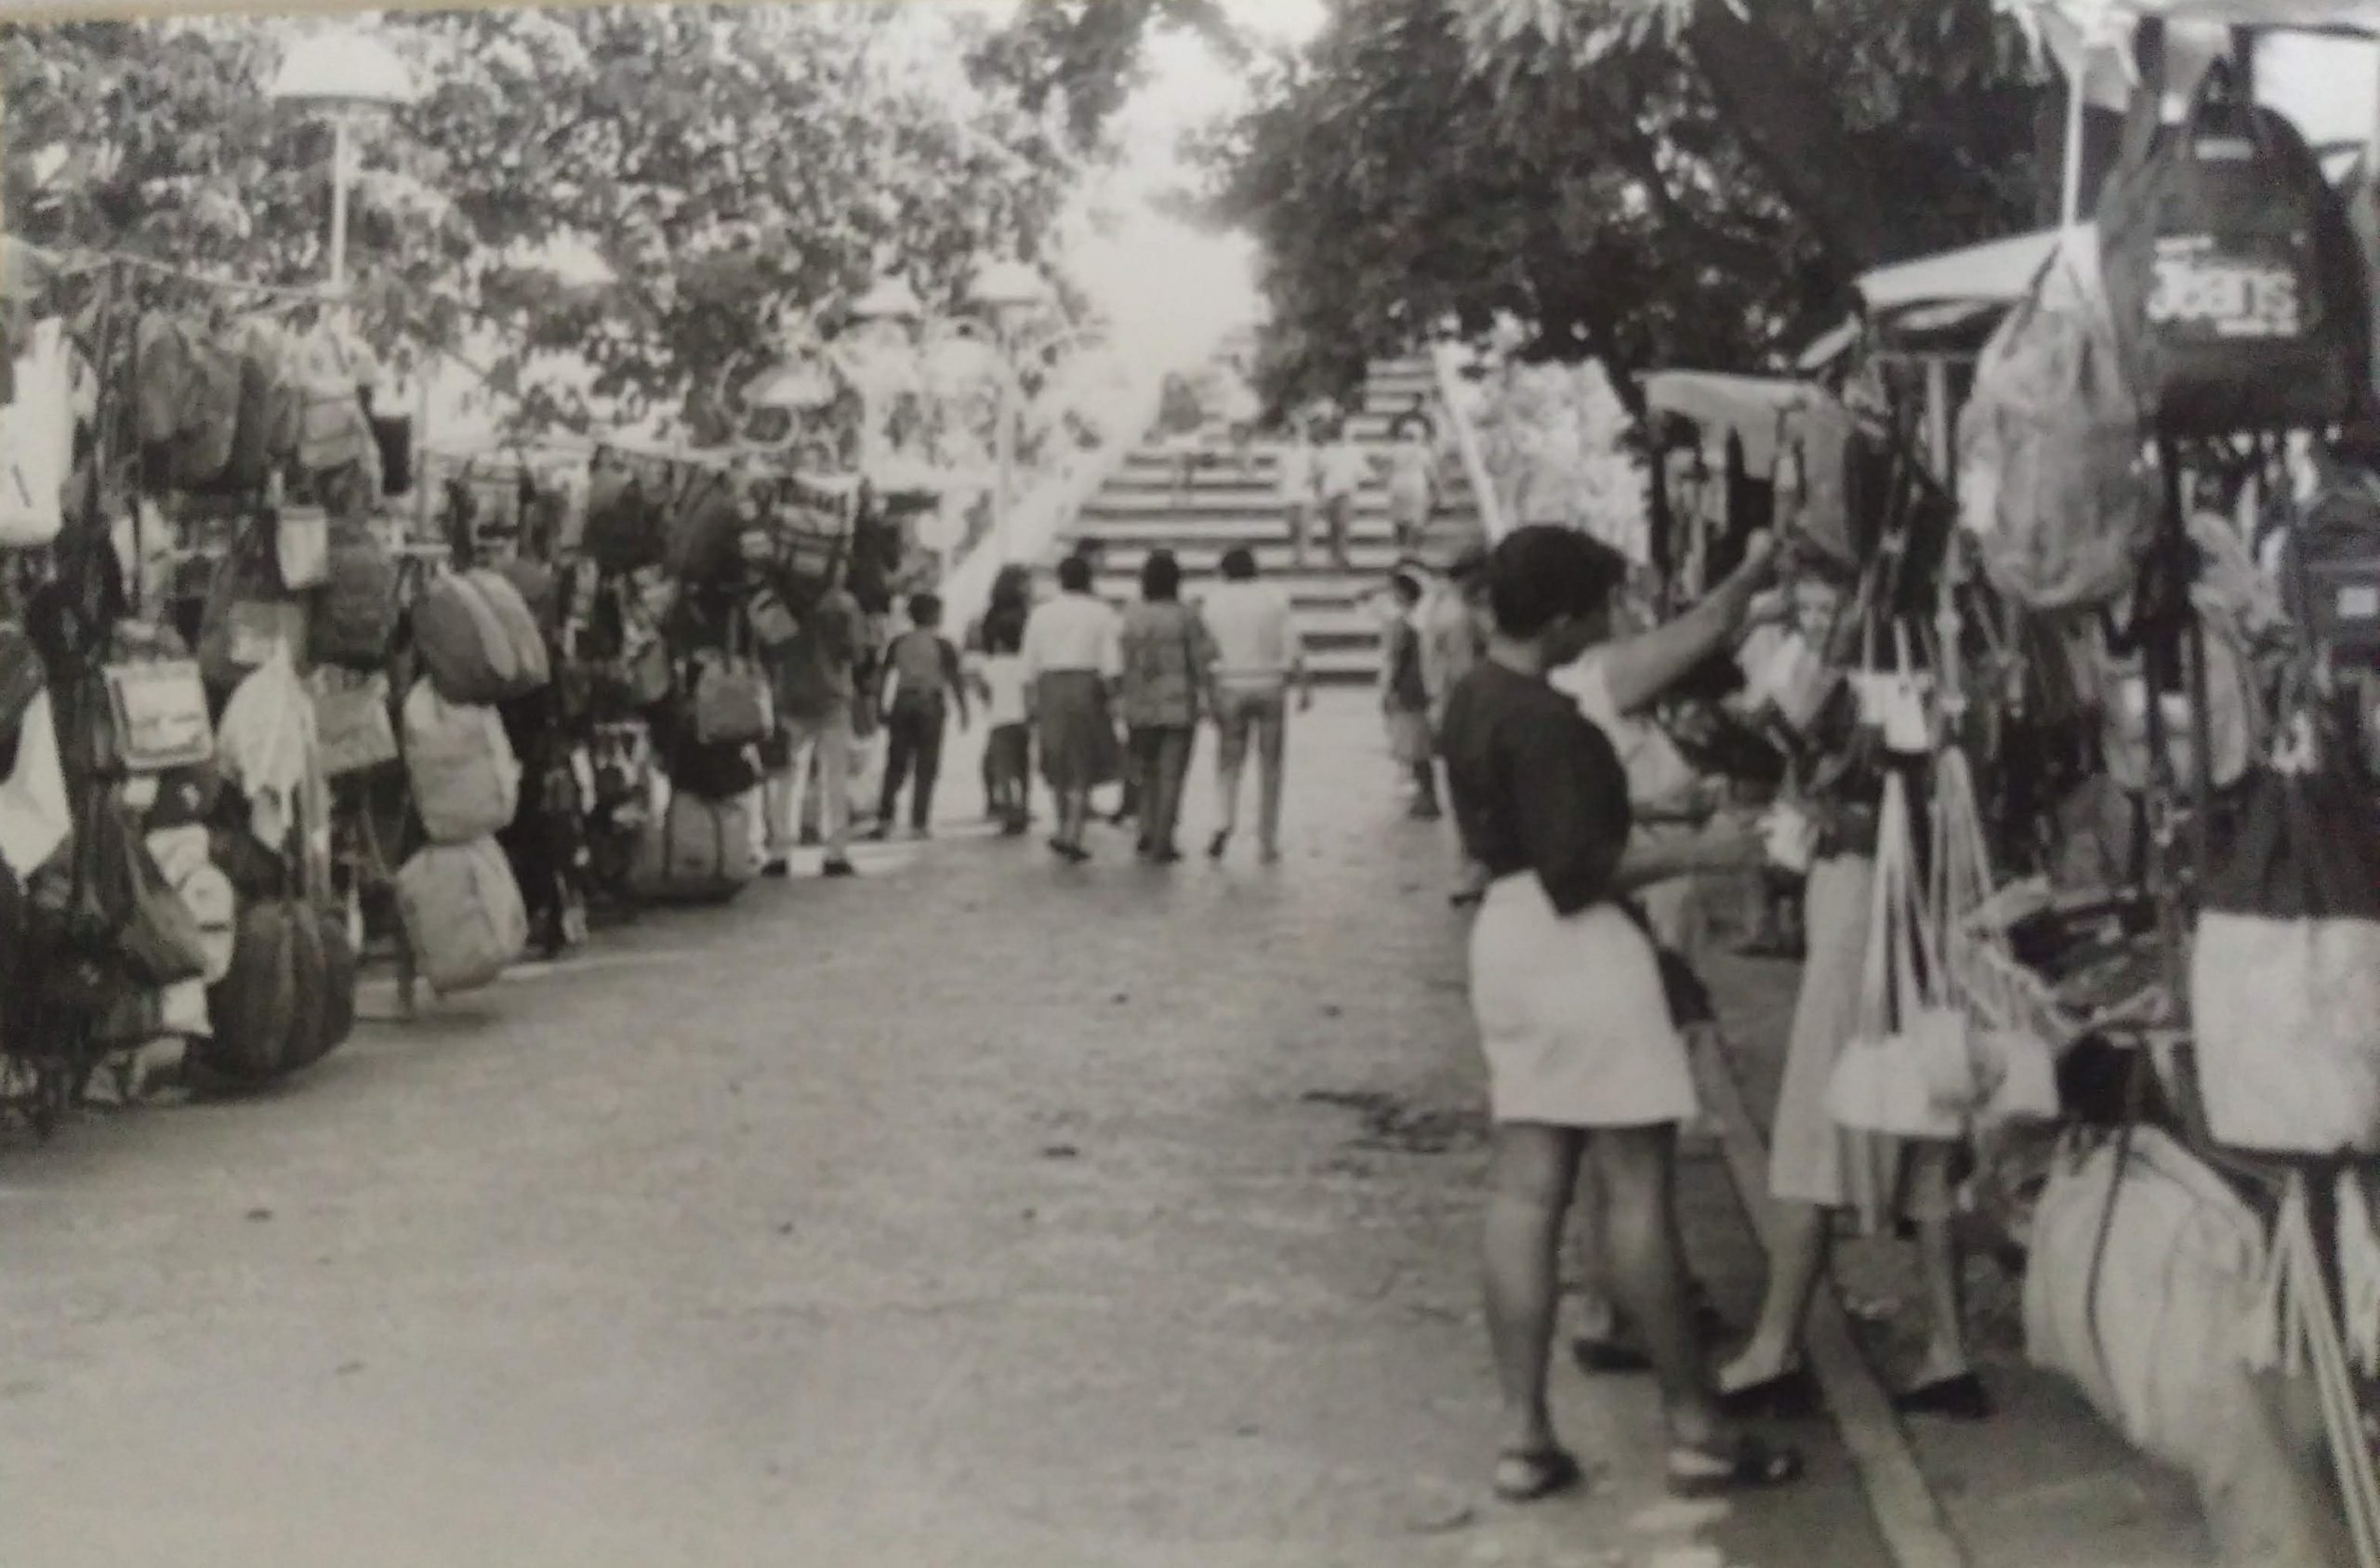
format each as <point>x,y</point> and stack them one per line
<point>356,613</point>
<point>625,531</point>
<point>463,915</point>
<point>2237,286</point>
<point>696,851</point>
<point>705,524</point>
<point>2331,566</point>
<point>520,627</point>
<point>734,704</point>
<point>478,640</point>
<point>37,441</point>
<point>2050,444</point>
<point>466,781</point>
<point>248,614</point>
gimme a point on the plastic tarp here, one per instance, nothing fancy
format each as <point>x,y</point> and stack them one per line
<point>1747,407</point>
<point>1996,272</point>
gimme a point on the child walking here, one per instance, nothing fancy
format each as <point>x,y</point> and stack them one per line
<point>921,682</point>
<point>1405,698</point>
<point>1008,745</point>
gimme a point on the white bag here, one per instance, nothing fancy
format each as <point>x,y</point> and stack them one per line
<point>463,915</point>
<point>466,781</point>
<point>37,441</point>
<point>34,816</point>
<point>1907,1071</point>
<point>302,543</point>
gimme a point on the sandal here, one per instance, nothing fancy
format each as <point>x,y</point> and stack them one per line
<point>1741,1464</point>
<point>1524,1475</point>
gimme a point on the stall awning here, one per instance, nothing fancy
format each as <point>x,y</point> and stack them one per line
<point>1996,272</point>
<point>1747,407</point>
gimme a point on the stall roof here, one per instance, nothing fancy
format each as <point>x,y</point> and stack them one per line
<point>2098,17</point>
<point>1748,405</point>
<point>1997,271</point>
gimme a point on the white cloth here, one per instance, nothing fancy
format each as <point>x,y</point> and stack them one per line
<point>1659,775</point>
<point>1297,472</point>
<point>1004,689</point>
<point>1073,631</point>
<point>266,745</point>
<point>1254,632</point>
<point>34,816</point>
<point>1342,469</point>
<point>1572,1019</point>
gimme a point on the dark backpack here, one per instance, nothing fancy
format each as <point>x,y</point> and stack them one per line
<point>2235,280</point>
<point>356,613</point>
<point>624,527</point>
<point>253,1004</point>
<point>2331,566</point>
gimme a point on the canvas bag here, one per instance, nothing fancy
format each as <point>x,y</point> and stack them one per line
<point>2330,565</point>
<point>247,615</point>
<point>251,1007</point>
<point>625,531</point>
<point>2050,442</point>
<point>696,850</point>
<point>37,441</point>
<point>1907,1071</point>
<point>733,701</point>
<point>301,538</point>
<point>463,915</point>
<point>2144,1307</point>
<point>466,648</point>
<point>351,724</point>
<point>520,627</point>
<point>2235,282</point>
<point>2285,969</point>
<point>466,781</point>
<point>356,613</point>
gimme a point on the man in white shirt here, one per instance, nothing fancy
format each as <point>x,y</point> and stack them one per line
<point>1257,657</point>
<point>1340,471</point>
<point>1297,491</point>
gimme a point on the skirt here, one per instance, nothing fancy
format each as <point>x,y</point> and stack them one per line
<point>1078,745</point>
<point>1572,1018</point>
<point>1810,1159</point>
<point>1408,737</point>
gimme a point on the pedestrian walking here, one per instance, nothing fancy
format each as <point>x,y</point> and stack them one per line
<point>922,683</point>
<point>1341,470</point>
<point>1257,658</point>
<point>1583,1062</point>
<point>815,676</point>
<point>1412,480</point>
<point>1008,741</point>
<point>1240,412</point>
<point>1405,696</point>
<point>1455,626</point>
<point>1072,660</point>
<point>1167,660</point>
<point>1297,486</point>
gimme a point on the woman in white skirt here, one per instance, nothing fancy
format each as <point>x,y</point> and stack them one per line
<point>1583,1058</point>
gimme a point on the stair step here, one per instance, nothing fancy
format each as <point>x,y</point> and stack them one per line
<point>1145,514</point>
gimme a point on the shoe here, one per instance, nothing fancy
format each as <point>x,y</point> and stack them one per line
<point>1962,1398</point>
<point>776,868</point>
<point>1524,1475</point>
<point>1737,1464</point>
<point>879,834</point>
<point>1270,854</point>
<point>1601,1357</point>
<point>1792,1395</point>
<point>1426,812</point>
<point>839,867</point>
<point>921,832</point>
<point>810,840</point>
<point>1218,844</point>
<point>1168,856</point>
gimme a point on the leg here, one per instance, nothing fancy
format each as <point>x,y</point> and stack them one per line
<point>1425,790</point>
<point>1231,725</point>
<point>1638,1170</point>
<point>780,801</point>
<point>900,745</point>
<point>834,788</point>
<point>1168,768</point>
<point>1140,751</point>
<point>1272,742</point>
<point>1341,511</point>
<point>1297,521</point>
<point>929,765</point>
<point>1532,1173</point>
<point>1798,1247</point>
<point>1946,1351</point>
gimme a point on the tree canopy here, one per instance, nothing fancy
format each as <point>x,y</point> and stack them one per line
<point>733,166</point>
<point>1643,182</point>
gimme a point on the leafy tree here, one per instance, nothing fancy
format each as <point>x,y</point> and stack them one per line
<point>1616,172</point>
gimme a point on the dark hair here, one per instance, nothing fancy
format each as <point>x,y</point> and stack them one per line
<point>1160,577</point>
<point>1074,575</point>
<point>1542,572</point>
<point>1468,567</point>
<point>1239,564</point>
<point>1408,586</point>
<point>925,610</point>
<point>1088,546</point>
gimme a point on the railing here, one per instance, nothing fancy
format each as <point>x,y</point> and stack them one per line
<point>1474,463</point>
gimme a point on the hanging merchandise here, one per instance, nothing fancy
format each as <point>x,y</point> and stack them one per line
<point>463,917</point>
<point>392,434</point>
<point>356,613</point>
<point>478,640</point>
<point>2050,443</point>
<point>1823,458</point>
<point>2232,607</point>
<point>123,906</point>
<point>301,538</point>
<point>186,404</point>
<point>351,721</point>
<point>734,703</point>
<point>624,531</point>
<point>251,1007</point>
<point>1907,1071</point>
<point>333,431</point>
<point>158,716</point>
<point>35,817</point>
<point>465,780</point>
<point>774,624</point>
<point>248,617</point>
<point>2237,288</point>
<point>2331,563</point>
<point>696,850</point>
<point>37,441</point>
<point>265,431</point>
<point>21,679</point>
<point>2285,972</point>
<point>705,525</point>
<point>266,747</point>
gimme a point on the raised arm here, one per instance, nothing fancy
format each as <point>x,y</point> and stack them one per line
<point>1638,669</point>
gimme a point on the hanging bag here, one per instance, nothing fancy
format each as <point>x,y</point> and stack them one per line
<point>251,1006</point>
<point>463,915</point>
<point>1907,1071</point>
<point>351,722</point>
<point>357,610</point>
<point>2050,442</point>
<point>733,704</point>
<point>2237,288</point>
<point>247,614</point>
<point>696,851</point>
<point>465,647</point>
<point>2284,975</point>
<point>301,538</point>
<point>466,781</point>
<point>158,715</point>
<point>37,441</point>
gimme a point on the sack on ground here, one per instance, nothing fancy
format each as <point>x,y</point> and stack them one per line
<point>463,915</point>
<point>250,1006</point>
<point>696,850</point>
<point>466,781</point>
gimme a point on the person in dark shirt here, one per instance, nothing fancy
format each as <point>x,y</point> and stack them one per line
<point>922,681</point>
<point>1583,1060</point>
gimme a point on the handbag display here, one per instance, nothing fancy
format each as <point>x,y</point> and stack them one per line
<point>466,781</point>
<point>734,703</point>
<point>301,538</point>
<point>1907,1071</point>
<point>351,724</point>
<point>2284,975</point>
<point>248,615</point>
<point>37,441</point>
<point>159,715</point>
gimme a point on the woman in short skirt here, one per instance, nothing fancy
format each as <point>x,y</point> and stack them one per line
<point>1073,657</point>
<point>1583,1058</point>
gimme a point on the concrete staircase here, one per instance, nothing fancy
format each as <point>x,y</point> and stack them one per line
<point>1135,512</point>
